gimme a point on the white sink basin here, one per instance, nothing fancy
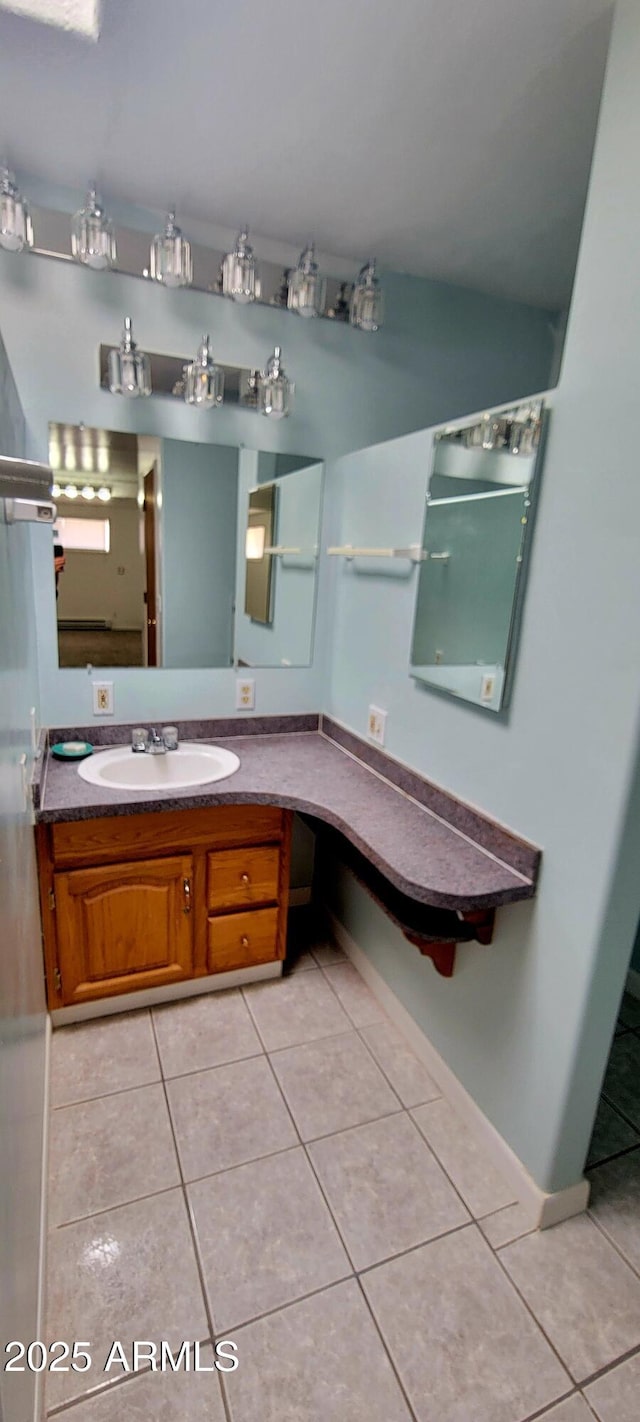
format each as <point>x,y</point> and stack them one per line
<point>191,764</point>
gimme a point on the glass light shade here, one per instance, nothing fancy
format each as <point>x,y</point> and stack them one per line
<point>92,239</point>
<point>239,271</point>
<point>306,286</point>
<point>203,379</point>
<point>104,495</point>
<point>275,390</point>
<point>366,310</point>
<point>170,258</point>
<point>16,231</point>
<point>88,492</point>
<point>129,368</point>
<point>70,491</point>
<point>55,491</point>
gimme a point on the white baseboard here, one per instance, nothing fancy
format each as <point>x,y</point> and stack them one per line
<point>543,1208</point>
<point>41,1307</point>
<point>153,997</point>
<point>633,983</point>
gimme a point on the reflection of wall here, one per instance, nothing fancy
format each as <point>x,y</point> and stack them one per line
<point>22,1008</point>
<point>288,639</point>
<point>199,514</point>
<point>463,610</point>
<point>91,585</point>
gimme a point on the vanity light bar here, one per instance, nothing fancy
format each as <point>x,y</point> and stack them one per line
<point>178,262</point>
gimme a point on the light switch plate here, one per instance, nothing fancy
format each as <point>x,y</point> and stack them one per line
<point>102,698</point>
<point>245,693</point>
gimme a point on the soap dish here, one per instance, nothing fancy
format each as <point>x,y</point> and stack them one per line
<point>71,750</point>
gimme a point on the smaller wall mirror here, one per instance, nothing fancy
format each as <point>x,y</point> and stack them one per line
<point>477,529</point>
<point>276,616</point>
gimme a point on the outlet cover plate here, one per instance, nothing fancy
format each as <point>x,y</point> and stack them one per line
<point>377,725</point>
<point>102,698</point>
<point>245,693</point>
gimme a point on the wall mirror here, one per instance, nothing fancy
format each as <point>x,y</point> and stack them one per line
<point>150,549</point>
<point>275,621</point>
<point>477,530</point>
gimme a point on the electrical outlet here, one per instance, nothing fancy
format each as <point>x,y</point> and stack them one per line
<point>487,686</point>
<point>377,724</point>
<point>245,693</point>
<point>102,698</point>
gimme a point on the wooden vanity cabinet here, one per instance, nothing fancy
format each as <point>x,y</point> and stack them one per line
<point>147,900</point>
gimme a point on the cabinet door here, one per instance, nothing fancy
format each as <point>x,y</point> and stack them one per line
<point>123,927</point>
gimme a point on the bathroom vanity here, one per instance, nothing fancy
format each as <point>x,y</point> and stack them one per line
<point>164,891</point>
<point>149,900</point>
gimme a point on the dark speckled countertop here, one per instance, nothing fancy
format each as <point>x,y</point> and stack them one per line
<point>471,864</point>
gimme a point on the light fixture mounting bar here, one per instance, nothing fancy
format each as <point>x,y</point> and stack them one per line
<point>51,239</point>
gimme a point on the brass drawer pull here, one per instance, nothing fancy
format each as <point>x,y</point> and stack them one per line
<point>244,941</point>
<point>245,879</point>
<point>186,886</point>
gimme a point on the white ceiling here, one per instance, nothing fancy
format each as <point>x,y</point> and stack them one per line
<point>452,138</point>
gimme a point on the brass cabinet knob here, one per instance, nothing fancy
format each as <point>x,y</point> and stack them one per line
<point>245,878</point>
<point>244,941</point>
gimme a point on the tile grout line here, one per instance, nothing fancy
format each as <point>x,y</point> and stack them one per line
<point>191,1224</point>
<point>607,1159</point>
<point>577,1382</point>
<point>387,1350</point>
<point>619,1110</point>
<point>635,1269</point>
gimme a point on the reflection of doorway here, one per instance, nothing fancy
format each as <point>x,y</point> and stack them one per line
<point>151,594</point>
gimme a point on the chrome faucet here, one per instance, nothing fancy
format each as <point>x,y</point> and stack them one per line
<point>155,743</point>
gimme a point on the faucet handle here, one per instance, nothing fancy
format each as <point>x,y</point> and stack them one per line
<point>170,737</point>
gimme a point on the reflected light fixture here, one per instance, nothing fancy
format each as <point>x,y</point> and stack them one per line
<point>366,311</point>
<point>170,257</point>
<point>239,271</point>
<point>88,492</point>
<point>254,543</point>
<point>16,231</point>
<point>55,491</point>
<point>104,494</point>
<point>92,238</point>
<point>203,379</point>
<point>70,491</point>
<point>306,286</point>
<point>275,390</point>
<point>129,368</point>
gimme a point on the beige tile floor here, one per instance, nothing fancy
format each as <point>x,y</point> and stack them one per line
<point>276,1167</point>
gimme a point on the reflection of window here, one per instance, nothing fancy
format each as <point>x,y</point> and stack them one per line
<point>91,535</point>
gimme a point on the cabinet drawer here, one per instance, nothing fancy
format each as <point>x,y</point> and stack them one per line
<point>118,837</point>
<point>238,878</point>
<point>238,940</point>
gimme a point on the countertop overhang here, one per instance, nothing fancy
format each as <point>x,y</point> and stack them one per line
<point>449,857</point>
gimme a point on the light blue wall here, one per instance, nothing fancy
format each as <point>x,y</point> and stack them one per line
<point>198,553</point>
<point>22,1008</point>
<point>527,1023</point>
<point>288,639</point>
<point>443,351</point>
